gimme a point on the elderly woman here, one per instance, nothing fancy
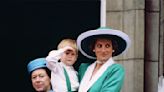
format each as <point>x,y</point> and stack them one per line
<point>40,75</point>
<point>103,75</point>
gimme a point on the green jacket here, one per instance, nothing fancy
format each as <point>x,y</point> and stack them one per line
<point>110,81</point>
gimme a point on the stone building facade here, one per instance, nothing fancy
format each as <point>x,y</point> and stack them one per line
<point>143,21</point>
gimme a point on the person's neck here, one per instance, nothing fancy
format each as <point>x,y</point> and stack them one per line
<point>97,67</point>
<point>49,88</point>
<point>66,66</point>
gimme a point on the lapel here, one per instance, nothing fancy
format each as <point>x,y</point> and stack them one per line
<point>87,77</point>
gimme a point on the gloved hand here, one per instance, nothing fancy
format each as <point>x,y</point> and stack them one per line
<point>55,55</point>
<point>62,50</point>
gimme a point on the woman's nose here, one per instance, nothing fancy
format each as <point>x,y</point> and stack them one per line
<point>103,49</point>
<point>37,79</point>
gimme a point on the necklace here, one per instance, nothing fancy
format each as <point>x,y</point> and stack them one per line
<point>99,62</point>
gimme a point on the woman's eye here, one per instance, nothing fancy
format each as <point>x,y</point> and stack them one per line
<point>99,45</point>
<point>33,77</point>
<point>107,45</point>
<point>41,76</point>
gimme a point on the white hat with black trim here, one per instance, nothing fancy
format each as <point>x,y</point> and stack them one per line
<point>87,38</point>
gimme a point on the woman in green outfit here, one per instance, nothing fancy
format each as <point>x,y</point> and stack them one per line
<point>103,75</point>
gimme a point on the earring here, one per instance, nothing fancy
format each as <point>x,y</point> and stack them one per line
<point>112,50</point>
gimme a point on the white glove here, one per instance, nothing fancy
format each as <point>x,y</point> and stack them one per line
<point>55,55</point>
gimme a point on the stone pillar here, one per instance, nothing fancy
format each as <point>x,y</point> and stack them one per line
<point>152,45</point>
<point>143,21</point>
<point>128,16</point>
<point>161,56</point>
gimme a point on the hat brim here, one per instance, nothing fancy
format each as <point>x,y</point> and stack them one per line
<point>87,38</point>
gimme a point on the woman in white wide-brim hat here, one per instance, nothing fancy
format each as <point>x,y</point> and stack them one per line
<point>103,75</point>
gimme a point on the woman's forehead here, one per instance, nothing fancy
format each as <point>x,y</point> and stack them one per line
<point>38,71</point>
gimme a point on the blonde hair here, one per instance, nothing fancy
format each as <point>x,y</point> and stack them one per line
<point>68,42</point>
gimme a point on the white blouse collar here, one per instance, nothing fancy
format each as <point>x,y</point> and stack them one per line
<point>87,77</point>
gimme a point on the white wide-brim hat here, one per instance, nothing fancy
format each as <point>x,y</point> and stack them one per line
<point>87,38</point>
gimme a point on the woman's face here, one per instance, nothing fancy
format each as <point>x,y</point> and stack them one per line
<point>40,80</point>
<point>103,49</point>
